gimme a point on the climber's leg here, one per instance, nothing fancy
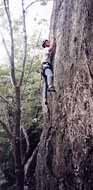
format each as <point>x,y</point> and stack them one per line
<point>45,91</point>
<point>49,75</point>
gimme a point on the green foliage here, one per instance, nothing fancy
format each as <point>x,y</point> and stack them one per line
<point>31,92</point>
<point>31,107</point>
<point>31,95</point>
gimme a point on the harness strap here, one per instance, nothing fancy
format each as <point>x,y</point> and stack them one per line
<point>48,66</point>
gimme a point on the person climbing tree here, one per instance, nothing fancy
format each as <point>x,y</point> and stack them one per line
<point>47,66</point>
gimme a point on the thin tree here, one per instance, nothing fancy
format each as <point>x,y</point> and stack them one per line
<point>14,132</point>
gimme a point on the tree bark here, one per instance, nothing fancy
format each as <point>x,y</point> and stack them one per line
<point>65,156</point>
<point>19,168</point>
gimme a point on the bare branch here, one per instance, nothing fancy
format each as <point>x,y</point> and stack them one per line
<point>25,44</point>
<point>5,46</point>
<point>26,138</point>
<point>30,160</point>
<point>4,99</point>
<point>7,10</point>
<point>6,128</point>
<point>31,4</point>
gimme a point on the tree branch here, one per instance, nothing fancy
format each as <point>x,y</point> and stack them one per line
<point>25,44</point>
<point>5,127</point>
<point>26,138</point>
<point>30,160</point>
<point>4,99</point>
<point>28,6</point>
<point>5,46</point>
<point>33,2</point>
<point>7,10</point>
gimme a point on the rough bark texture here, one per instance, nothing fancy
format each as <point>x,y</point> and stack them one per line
<point>65,157</point>
<point>19,169</point>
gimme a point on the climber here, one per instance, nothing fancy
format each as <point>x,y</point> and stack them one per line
<point>47,67</point>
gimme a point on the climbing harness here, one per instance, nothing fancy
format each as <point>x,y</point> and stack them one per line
<point>45,66</point>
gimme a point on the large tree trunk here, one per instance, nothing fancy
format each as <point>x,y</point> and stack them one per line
<point>65,157</point>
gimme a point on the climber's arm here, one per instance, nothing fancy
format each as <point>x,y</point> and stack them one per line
<point>52,45</point>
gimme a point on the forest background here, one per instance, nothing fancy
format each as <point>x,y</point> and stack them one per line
<point>37,17</point>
